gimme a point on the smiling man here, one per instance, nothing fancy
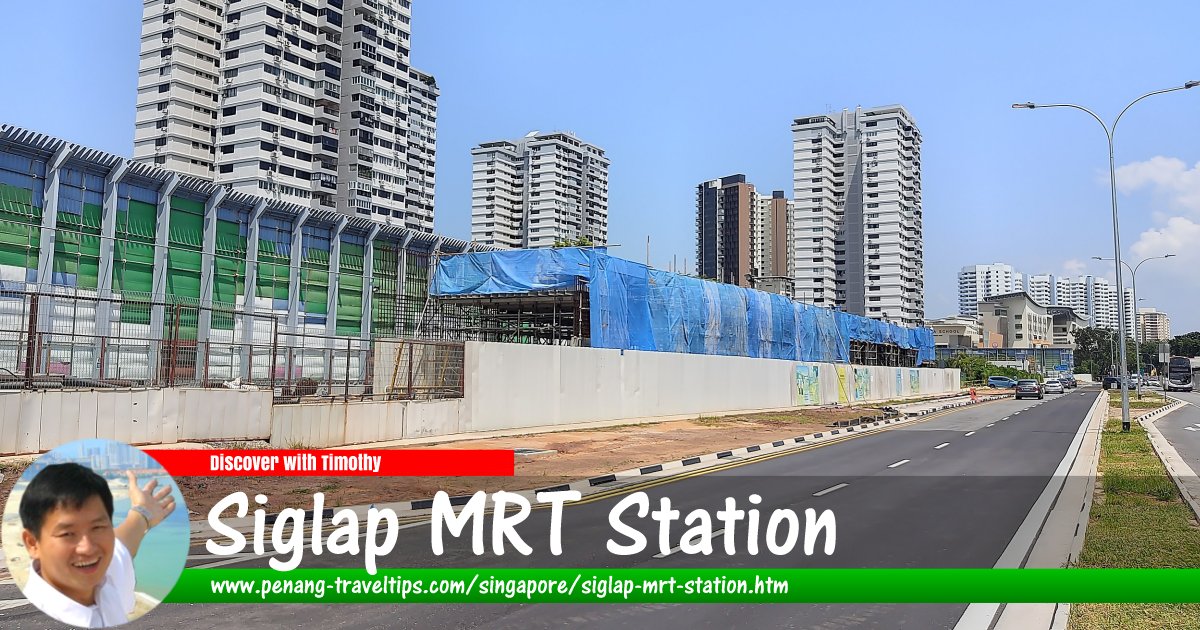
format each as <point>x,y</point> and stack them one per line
<point>83,565</point>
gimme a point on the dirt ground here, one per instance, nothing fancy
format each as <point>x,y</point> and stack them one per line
<point>578,455</point>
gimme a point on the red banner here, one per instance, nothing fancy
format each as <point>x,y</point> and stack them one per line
<point>340,463</point>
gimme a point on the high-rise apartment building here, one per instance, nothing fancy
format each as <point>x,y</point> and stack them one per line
<point>1153,325</point>
<point>771,237</point>
<point>1089,296</point>
<point>725,223</point>
<point>857,218</point>
<point>1043,288</point>
<point>977,282</point>
<point>308,101</point>
<point>537,190</point>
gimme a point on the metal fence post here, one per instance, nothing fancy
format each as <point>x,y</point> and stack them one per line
<point>347,390</point>
<point>30,342</point>
<point>274,350</point>
<point>410,371</point>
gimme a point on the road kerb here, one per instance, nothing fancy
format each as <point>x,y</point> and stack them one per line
<point>200,529</point>
<point>1181,473</point>
<point>979,616</point>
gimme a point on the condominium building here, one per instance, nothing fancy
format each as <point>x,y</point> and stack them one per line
<point>1043,288</point>
<point>1090,297</point>
<point>725,220</point>
<point>976,282</point>
<point>857,240</point>
<point>770,239</point>
<point>1153,325</point>
<point>312,102</point>
<point>539,190</point>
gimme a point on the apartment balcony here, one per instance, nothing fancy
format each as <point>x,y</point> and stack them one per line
<point>330,24</point>
<point>323,166</point>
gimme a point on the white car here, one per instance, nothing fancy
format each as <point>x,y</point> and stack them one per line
<point>1053,386</point>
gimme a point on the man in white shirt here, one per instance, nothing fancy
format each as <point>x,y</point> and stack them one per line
<point>82,565</point>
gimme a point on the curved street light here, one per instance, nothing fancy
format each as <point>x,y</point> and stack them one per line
<point>1112,179</point>
<point>1137,330</point>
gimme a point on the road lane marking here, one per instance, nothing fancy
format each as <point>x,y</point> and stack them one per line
<point>899,463</point>
<point>969,434</point>
<point>1191,428</point>
<point>830,489</point>
<point>1005,417</point>
<point>990,425</point>
<point>716,534</point>
<point>942,445</point>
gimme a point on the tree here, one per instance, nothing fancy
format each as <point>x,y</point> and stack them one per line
<point>976,369</point>
<point>582,241</point>
<point>1094,350</point>
<point>1186,345</point>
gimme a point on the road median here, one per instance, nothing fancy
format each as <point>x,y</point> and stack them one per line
<point>1138,519</point>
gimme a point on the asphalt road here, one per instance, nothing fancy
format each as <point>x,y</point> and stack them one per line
<point>947,492</point>
<point>1182,428</point>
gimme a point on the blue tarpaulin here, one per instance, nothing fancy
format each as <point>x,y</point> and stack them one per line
<point>637,308</point>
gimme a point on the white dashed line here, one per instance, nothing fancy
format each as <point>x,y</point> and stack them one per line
<point>830,489</point>
<point>1191,428</point>
<point>942,445</point>
<point>969,434</point>
<point>1005,417</point>
<point>899,463</point>
<point>990,425</point>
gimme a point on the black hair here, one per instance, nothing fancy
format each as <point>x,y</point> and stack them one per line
<point>61,485</point>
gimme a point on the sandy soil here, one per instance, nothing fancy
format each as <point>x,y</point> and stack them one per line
<point>578,455</point>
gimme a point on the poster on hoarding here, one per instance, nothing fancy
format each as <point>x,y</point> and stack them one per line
<point>808,384</point>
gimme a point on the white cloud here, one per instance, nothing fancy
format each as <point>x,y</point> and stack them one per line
<point>1179,236</point>
<point>1169,179</point>
<point>1074,267</point>
<point>1171,285</point>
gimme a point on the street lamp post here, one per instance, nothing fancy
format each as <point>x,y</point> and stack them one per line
<point>1112,180</point>
<point>1137,330</point>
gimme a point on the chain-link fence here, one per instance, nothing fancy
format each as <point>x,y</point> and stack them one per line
<point>72,340</point>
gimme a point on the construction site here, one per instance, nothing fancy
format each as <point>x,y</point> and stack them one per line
<point>129,291</point>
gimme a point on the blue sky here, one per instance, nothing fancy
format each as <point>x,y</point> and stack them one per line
<point>682,92</point>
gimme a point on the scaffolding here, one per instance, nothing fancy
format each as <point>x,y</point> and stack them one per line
<point>888,355</point>
<point>553,317</point>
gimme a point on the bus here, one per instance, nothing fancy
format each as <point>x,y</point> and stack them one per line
<point>1179,375</point>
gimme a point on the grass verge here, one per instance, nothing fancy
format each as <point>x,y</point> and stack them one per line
<point>1149,400</point>
<point>1138,520</point>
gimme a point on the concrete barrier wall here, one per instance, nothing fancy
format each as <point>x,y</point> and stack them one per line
<point>36,421</point>
<point>516,386</point>
<point>335,423</point>
<point>508,386</point>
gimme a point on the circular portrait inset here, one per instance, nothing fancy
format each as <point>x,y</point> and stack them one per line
<point>95,533</point>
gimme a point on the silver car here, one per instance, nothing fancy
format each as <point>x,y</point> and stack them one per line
<point>1053,386</point>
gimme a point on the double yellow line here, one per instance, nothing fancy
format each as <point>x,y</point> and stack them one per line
<point>659,481</point>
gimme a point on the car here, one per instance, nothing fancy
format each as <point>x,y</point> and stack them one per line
<point>1054,386</point>
<point>1001,382</point>
<point>1029,388</point>
<point>1153,382</point>
<point>1068,381</point>
<point>1111,382</point>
